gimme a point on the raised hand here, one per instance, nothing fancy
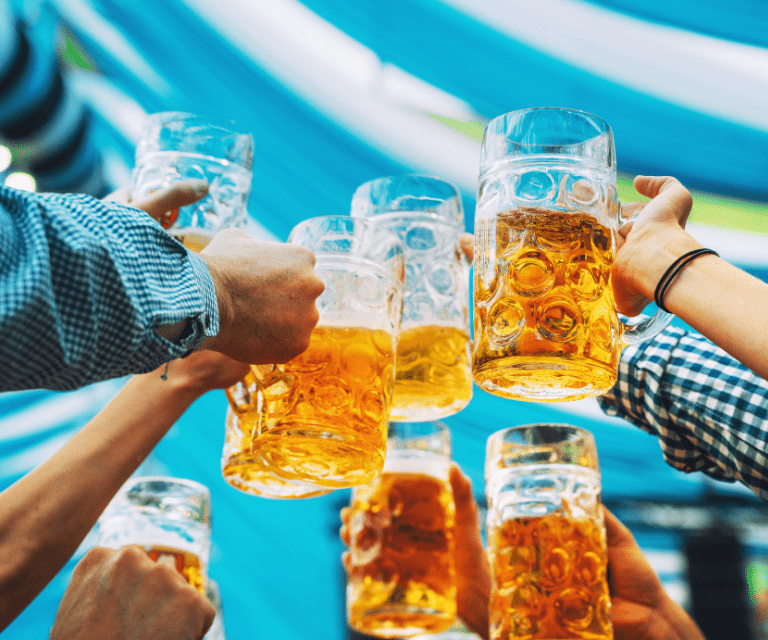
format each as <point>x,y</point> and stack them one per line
<point>123,595</point>
<point>266,293</point>
<point>641,609</point>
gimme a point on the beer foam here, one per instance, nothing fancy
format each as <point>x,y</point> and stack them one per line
<point>415,461</point>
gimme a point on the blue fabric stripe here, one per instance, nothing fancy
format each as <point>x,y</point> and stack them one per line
<point>743,21</point>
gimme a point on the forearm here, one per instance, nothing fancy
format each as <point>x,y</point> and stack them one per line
<point>45,516</point>
<point>709,412</point>
<point>722,302</point>
<point>727,305</point>
<point>84,285</point>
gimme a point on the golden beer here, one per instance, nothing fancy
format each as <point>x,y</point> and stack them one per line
<point>401,577</point>
<point>194,240</point>
<point>322,417</point>
<point>432,376</point>
<point>185,562</point>
<point>545,319</point>
<point>241,472</point>
<point>549,579</point>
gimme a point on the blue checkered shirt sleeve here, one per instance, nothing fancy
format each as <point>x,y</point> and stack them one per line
<point>83,285</point>
<point>709,412</point>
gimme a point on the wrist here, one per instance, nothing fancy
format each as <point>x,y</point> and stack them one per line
<point>173,383</point>
<point>644,260</point>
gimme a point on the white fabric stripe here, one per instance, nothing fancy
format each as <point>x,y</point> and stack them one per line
<point>343,80</point>
<point>58,409</point>
<point>725,79</point>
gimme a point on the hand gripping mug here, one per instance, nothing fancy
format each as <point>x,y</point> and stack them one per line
<point>401,574</point>
<point>169,517</point>
<point>545,321</point>
<point>322,417</point>
<point>175,146</point>
<point>546,540</point>
<point>432,376</point>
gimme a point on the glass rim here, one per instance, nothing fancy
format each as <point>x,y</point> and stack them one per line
<point>186,482</point>
<point>161,117</point>
<point>581,112</point>
<point>365,223</point>
<point>234,144</point>
<point>415,432</point>
<point>595,147</point>
<point>497,446</point>
<point>359,196</point>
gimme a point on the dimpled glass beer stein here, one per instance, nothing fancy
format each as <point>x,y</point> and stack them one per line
<point>322,417</point>
<point>401,574</point>
<point>256,479</point>
<point>176,146</point>
<point>169,517</point>
<point>545,321</point>
<point>546,539</point>
<point>432,377</point>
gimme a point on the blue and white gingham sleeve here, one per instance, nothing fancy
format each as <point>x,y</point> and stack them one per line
<point>709,412</point>
<point>84,283</point>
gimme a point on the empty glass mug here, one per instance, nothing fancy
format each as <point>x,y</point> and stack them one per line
<point>545,321</point>
<point>169,517</point>
<point>322,417</point>
<point>432,377</point>
<point>401,574</point>
<point>546,538</point>
<point>175,146</point>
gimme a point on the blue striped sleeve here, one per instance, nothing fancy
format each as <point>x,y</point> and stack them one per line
<point>709,412</point>
<point>83,285</point>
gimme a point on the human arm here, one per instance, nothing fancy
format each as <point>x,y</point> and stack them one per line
<point>640,607</point>
<point>123,595</point>
<point>722,302</point>
<point>41,528</point>
<point>708,411</point>
<point>86,286</point>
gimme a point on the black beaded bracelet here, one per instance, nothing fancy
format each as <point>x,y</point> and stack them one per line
<point>670,274</point>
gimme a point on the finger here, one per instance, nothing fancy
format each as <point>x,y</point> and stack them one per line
<point>346,560</point>
<point>671,188</point>
<point>179,194</point>
<point>467,243</point>
<point>617,534</point>
<point>466,508</point>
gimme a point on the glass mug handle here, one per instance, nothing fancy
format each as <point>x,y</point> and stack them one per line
<point>644,328</point>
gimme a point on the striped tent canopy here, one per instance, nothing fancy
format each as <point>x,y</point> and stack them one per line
<point>337,93</point>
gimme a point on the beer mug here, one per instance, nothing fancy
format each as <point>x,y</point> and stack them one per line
<point>401,574</point>
<point>169,517</point>
<point>176,146</point>
<point>432,376</point>
<point>322,417</point>
<point>545,321</point>
<point>546,539</point>
<point>248,477</point>
<point>213,593</point>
